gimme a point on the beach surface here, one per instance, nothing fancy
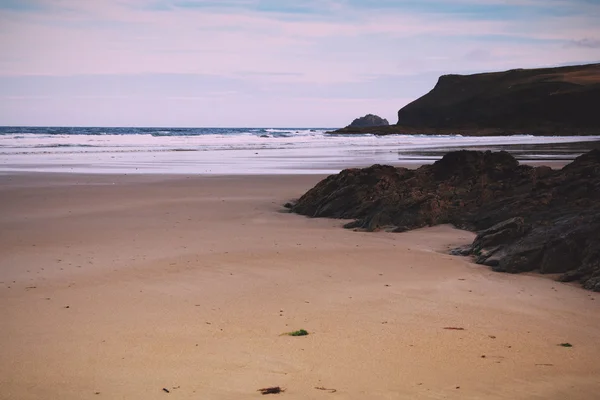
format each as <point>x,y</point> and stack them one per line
<point>129,286</point>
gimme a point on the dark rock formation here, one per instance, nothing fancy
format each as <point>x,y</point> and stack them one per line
<point>369,120</point>
<point>527,218</point>
<point>548,101</point>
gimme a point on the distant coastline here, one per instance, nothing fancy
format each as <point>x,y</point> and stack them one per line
<point>407,130</point>
<point>541,102</point>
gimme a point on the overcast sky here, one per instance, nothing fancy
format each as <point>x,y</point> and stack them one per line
<point>249,63</point>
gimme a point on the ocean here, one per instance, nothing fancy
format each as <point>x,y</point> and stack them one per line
<point>224,151</point>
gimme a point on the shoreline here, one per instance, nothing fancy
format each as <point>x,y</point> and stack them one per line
<point>300,172</point>
<point>250,155</point>
<point>127,284</point>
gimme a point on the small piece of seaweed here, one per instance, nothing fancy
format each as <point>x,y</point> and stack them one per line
<point>271,390</point>
<point>566,345</point>
<point>300,332</point>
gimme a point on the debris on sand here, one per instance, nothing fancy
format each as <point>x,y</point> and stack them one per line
<point>271,390</point>
<point>300,332</point>
<point>325,389</point>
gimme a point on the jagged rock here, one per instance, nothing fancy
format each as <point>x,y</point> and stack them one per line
<point>509,230</point>
<point>369,120</point>
<point>528,218</point>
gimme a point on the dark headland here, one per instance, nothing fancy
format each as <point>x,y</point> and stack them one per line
<point>527,218</point>
<point>548,101</point>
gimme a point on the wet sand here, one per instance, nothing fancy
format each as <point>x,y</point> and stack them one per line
<point>119,286</point>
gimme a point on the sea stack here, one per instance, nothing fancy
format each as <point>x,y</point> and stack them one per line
<point>369,120</point>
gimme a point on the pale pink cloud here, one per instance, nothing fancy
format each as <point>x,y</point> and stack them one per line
<point>121,37</point>
<point>329,67</point>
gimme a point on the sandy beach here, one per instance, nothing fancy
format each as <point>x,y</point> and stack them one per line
<point>117,286</point>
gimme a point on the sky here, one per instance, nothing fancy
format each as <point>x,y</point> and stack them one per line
<point>265,63</point>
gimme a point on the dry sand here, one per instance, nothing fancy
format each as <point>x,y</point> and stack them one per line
<point>116,287</point>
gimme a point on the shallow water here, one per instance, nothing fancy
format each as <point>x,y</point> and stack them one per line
<point>248,151</point>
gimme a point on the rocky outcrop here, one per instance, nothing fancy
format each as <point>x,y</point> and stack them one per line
<point>548,101</point>
<point>369,120</point>
<point>527,218</point>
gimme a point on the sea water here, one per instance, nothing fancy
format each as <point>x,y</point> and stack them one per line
<point>248,150</point>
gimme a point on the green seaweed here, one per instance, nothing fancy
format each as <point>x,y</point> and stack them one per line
<point>300,332</point>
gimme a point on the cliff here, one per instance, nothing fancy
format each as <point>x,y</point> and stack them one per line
<point>548,101</point>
